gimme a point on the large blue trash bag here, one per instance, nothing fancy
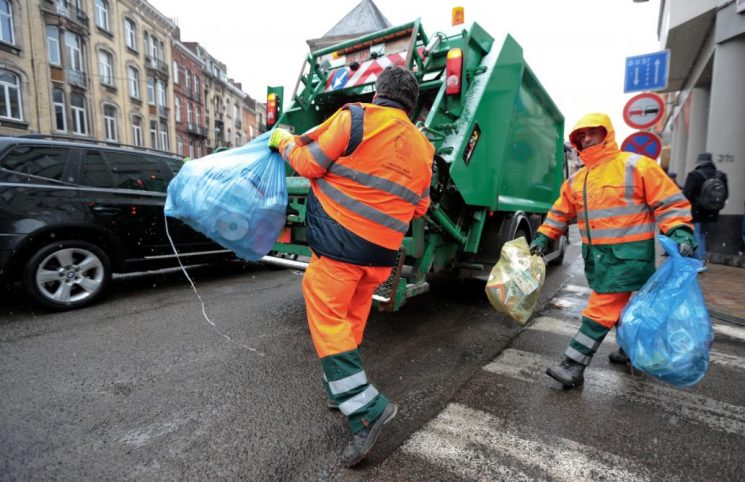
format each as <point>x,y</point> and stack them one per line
<point>665,329</point>
<point>237,197</point>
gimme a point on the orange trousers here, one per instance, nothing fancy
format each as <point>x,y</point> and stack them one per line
<point>605,308</point>
<point>338,298</point>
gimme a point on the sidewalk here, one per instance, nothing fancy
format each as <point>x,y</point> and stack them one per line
<point>724,290</point>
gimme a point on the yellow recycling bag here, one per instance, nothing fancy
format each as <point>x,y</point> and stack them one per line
<point>515,282</point>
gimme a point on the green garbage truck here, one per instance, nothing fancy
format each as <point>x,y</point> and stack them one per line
<point>498,137</point>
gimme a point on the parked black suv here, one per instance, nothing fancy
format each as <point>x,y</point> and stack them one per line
<point>71,213</point>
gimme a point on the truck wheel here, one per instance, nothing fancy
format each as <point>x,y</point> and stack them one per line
<point>66,275</point>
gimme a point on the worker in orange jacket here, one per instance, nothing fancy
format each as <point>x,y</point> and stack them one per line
<point>618,199</point>
<point>370,171</point>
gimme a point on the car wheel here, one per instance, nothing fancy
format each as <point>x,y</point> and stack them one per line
<point>66,275</point>
<point>559,260</point>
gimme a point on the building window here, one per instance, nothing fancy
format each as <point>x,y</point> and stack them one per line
<point>154,134</point>
<point>236,111</point>
<point>153,48</point>
<point>191,149</point>
<point>106,67</point>
<point>130,33</point>
<point>79,115</point>
<point>196,85</point>
<point>175,72</point>
<point>161,90</point>
<point>137,130</point>
<point>102,14</point>
<point>73,46</point>
<point>177,106</point>
<point>198,117</point>
<point>6,22</point>
<point>53,54</point>
<point>187,79</point>
<point>188,112</point>
<point>151,90</point>
<point>60,115</point>
<point>199,150</point>
<point>164,136</point>
<point>109,119</point>
<point>10,96</point>
<point>133,77</point>
<point>180,145</point>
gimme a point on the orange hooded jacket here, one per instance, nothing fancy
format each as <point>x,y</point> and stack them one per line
<point>618,199</point>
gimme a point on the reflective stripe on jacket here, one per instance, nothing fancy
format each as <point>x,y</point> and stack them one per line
<point>375,189</point>
<point>618,200</point>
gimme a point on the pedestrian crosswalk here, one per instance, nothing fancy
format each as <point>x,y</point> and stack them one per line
<point>512,422</point>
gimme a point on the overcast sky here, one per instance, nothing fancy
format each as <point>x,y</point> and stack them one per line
<point>576,48</point>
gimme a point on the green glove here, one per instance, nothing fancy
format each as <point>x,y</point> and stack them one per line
<point>278,135</point>
<point>540,245</point>
<point>683,237</point>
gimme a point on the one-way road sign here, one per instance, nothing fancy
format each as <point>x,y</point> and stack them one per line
<point>647,72</point>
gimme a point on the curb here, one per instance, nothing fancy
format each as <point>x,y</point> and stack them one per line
<point>726,317</point>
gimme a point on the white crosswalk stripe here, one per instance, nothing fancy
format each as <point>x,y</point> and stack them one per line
<point>562,327</point>
<point>578,289</point>
<point>716,415</point>
<point>729,330</point>
<point>471,444</point>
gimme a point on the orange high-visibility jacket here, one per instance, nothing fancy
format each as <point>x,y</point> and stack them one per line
<point>618,199</point>
<point>376,189</point>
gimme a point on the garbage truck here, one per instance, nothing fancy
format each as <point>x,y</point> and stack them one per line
<point>498,137</point>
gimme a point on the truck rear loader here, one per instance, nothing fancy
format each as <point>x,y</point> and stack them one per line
<point>498,137</point>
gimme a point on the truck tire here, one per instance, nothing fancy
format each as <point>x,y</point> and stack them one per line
<point>66,275</point>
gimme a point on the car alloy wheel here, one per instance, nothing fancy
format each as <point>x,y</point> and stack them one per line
<point>67,274</point>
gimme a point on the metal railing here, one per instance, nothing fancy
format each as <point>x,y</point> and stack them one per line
<point>192,128</point>
<point>163,111</point>
<point>77,78</point>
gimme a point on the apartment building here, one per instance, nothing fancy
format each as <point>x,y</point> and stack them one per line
<point>223,102</point>
<point>188,105</point>
<point>706,100</point>
<point>88,68</point>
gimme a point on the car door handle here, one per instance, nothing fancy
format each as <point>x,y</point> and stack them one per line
<point>106,211</point>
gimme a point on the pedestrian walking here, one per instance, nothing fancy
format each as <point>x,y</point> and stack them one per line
<point>707,189</point>
<point>370,171</point>
<point>617,199</point>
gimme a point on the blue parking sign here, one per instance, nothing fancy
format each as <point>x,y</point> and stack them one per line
<point>647,72</point>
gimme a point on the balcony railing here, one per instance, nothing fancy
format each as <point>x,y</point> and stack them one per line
<point>77,78</point>
<point>196,129</point>
<point>188,94</point>
<point>71,11</point>
<point>163,111</point>
<point>156,64</point>
<point>195,96</point>
<point>238,124</point>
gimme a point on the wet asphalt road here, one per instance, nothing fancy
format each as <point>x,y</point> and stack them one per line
<point>141,387</point>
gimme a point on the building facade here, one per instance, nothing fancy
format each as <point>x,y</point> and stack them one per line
<point>89,68</point>
<point>188,105</point>
<point>706,100</point>
<point>113,71</point>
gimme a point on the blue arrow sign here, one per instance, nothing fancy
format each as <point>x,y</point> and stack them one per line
<point>647,72</point>
<point>339,79</point>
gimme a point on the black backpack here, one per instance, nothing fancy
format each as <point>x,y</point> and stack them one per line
<point>713,192</point>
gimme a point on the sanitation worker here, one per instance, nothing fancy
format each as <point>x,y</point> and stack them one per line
<point>370,171</point>
<point>618,199</point>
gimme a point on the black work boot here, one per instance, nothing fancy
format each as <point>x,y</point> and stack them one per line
<point>363,441</point>
<point>619,357</point>
<point>568,373</point>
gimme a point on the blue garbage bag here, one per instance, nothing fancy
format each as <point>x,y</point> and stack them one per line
<point>665,329</point>
<point>237,197</point>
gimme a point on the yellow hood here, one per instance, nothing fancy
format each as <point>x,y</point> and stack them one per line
<point>598,153</point>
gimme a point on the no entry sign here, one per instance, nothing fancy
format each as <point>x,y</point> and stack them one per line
<point>644,110</point>
<point>644,143</point>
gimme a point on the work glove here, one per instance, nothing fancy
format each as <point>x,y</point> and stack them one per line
<point>278,135</point>
<point>684,239</point>
<point>686,250</point>
<point>540,245</point>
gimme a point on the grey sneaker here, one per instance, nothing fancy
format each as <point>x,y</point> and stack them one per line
<point>363,441</point>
